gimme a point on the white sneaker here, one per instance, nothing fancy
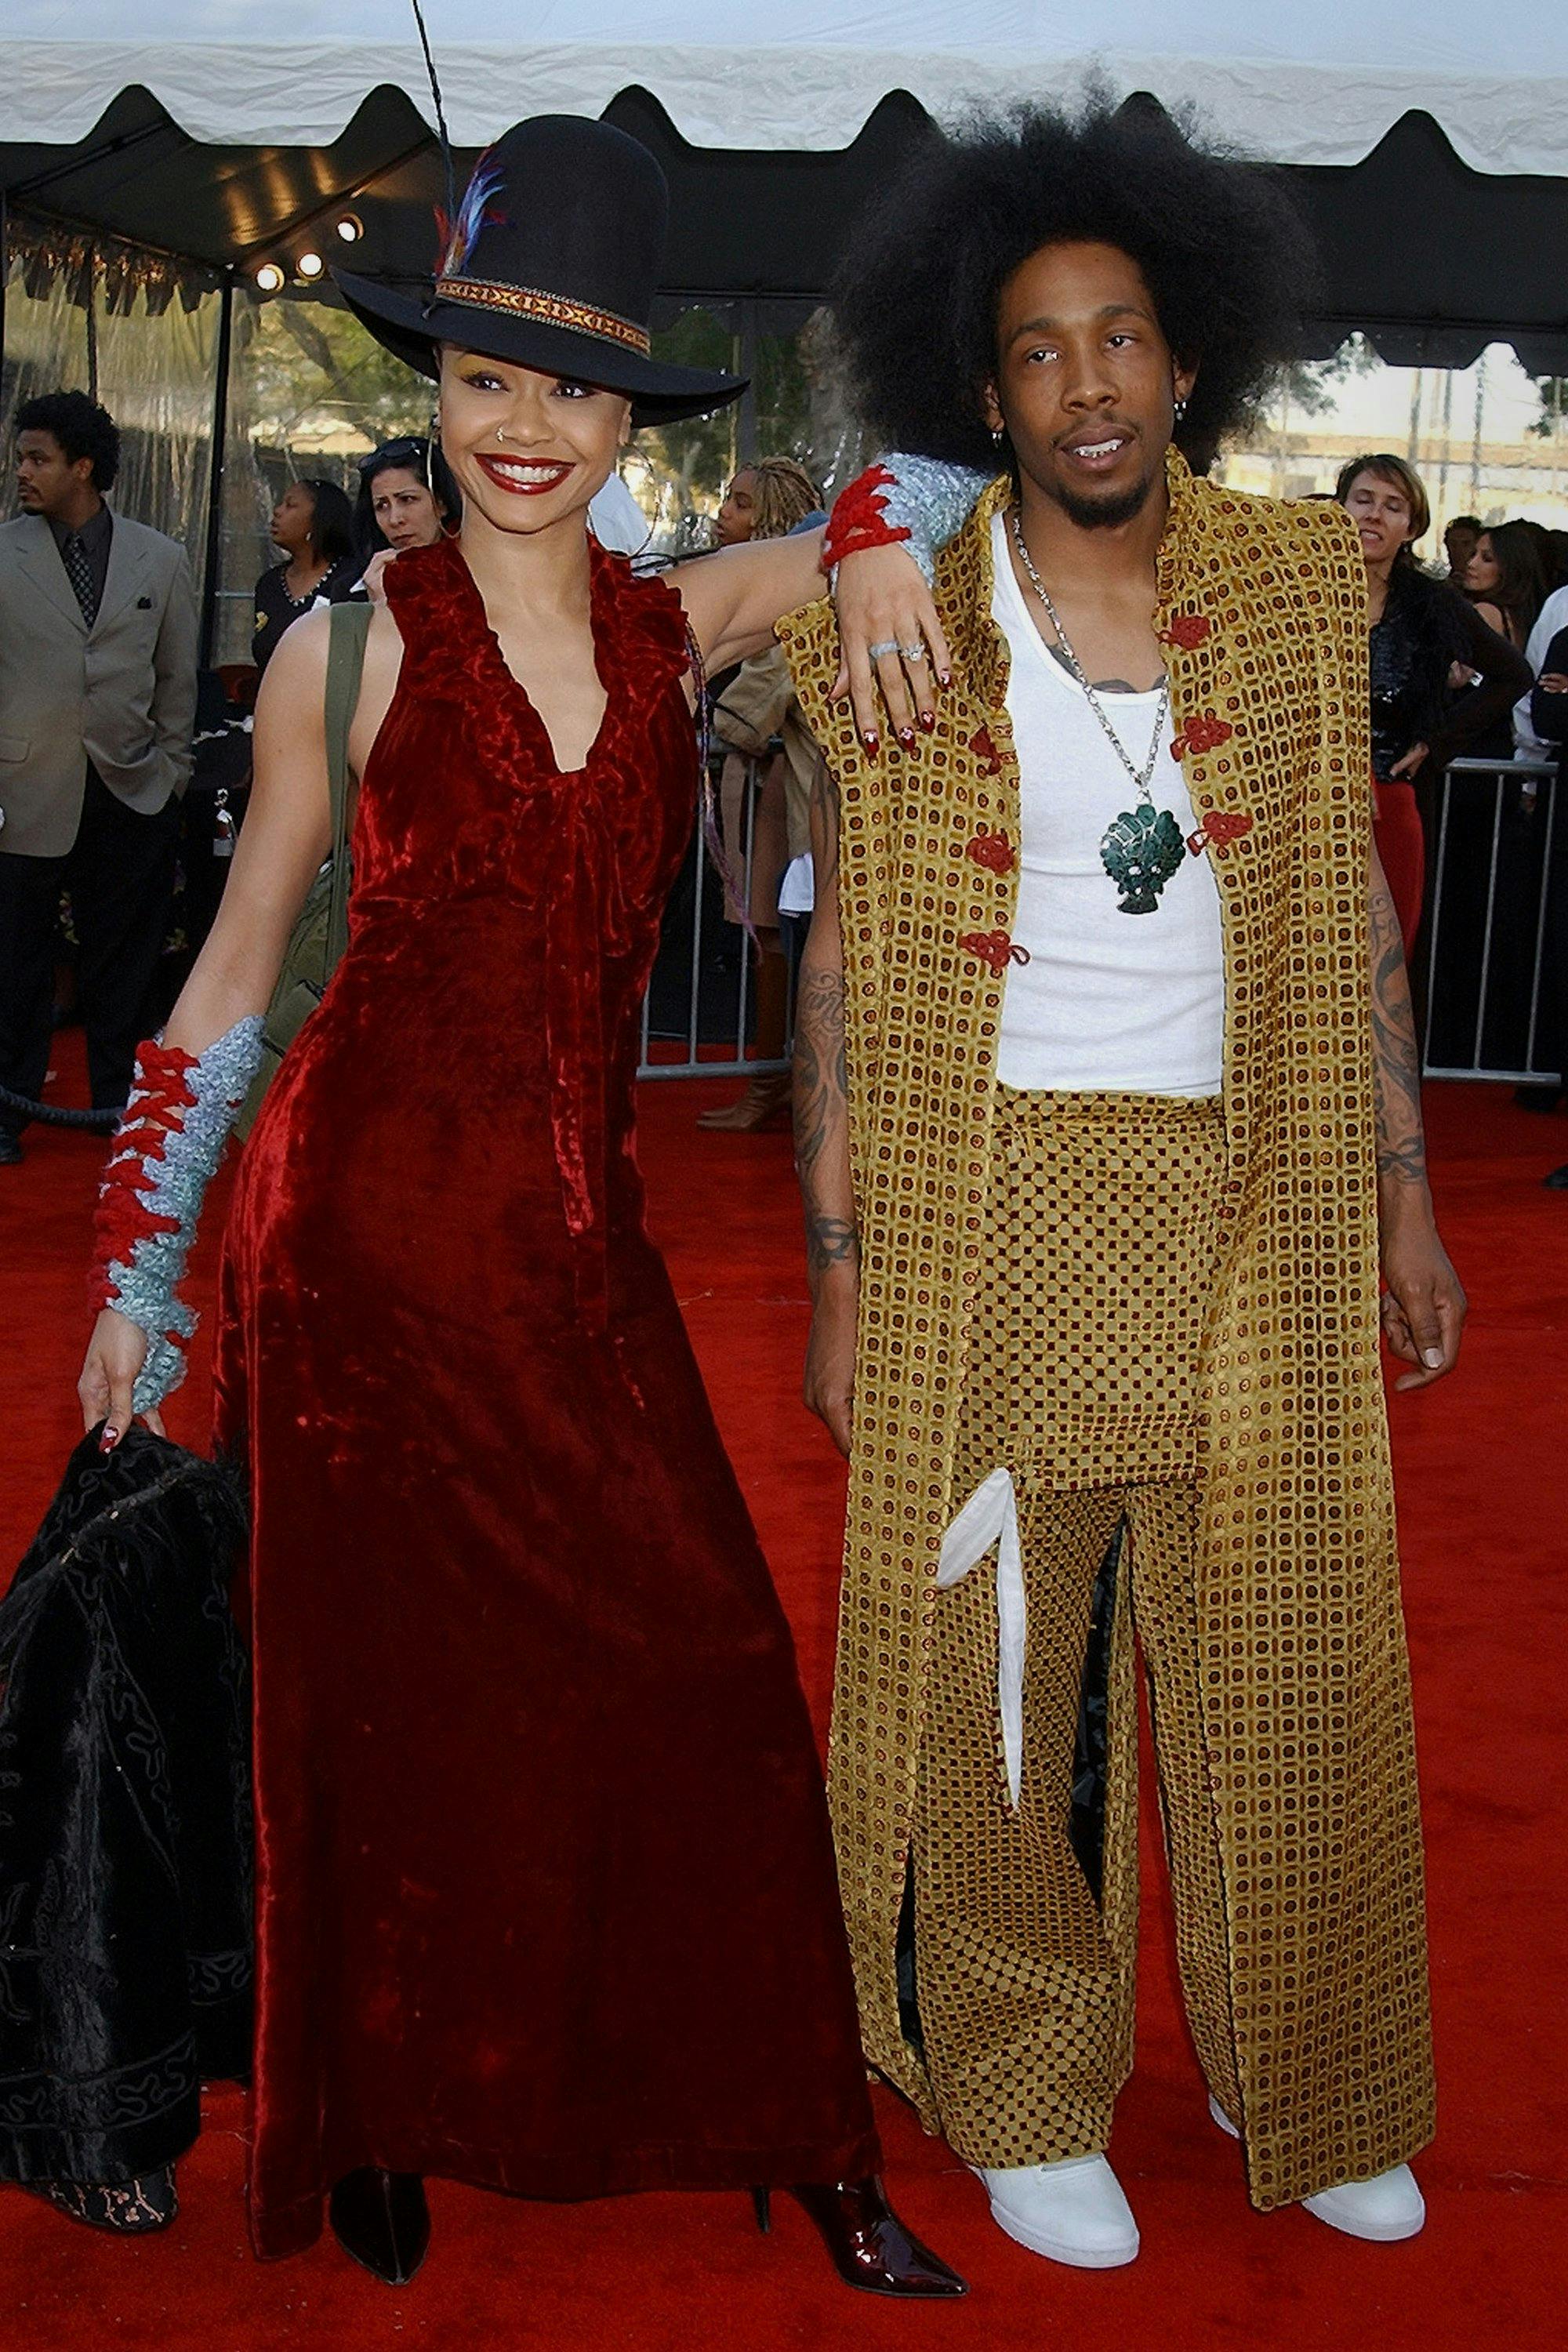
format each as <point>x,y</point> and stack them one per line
<point>1388,2207</point>
<point>1071,2212</point>
<point>1383,2210</point>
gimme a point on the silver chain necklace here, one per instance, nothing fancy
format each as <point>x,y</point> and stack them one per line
<point>1143,847</point>
<point>1140,777</point>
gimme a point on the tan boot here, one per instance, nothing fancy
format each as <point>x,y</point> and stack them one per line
<point>765,1103</point>
<point>766,1099</point>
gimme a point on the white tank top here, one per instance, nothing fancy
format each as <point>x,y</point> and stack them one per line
<point>1125,1003</point>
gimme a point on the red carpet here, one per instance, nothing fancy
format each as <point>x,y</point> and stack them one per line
<point>1483,1466</point>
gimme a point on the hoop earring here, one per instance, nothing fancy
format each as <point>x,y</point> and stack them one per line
<point>432,442</point>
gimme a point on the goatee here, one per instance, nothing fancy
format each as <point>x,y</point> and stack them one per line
<point>1102,514</point>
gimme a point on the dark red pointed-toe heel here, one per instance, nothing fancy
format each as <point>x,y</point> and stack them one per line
<point>382,2220</point>
<point>869,2246</point>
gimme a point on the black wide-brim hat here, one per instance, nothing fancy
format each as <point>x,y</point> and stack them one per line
<point>552,263</point>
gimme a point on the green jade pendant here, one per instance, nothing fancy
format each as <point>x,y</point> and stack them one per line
<point>1141,852</point>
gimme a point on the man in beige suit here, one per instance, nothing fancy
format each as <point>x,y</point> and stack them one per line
<point>97,695</point>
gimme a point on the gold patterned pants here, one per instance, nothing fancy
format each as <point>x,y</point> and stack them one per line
<point>1082,1369</point>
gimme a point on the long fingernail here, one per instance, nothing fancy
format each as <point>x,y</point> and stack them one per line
<point>945,678</point>
<point>110,1440</point>
<point>928,719</point>
<point>872,742</point>
<point>907,738</point>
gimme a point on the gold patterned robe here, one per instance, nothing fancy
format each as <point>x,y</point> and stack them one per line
<point>1310,1757</point>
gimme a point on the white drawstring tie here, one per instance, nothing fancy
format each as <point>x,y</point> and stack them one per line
<point>991,1516</point>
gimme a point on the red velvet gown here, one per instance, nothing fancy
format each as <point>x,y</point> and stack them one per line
<point>547,1899</point>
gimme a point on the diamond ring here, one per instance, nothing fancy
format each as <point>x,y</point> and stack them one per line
<point>878,653</point>
<point>914,653</point>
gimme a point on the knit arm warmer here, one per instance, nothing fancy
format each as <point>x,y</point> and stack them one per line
<point>918,502</point>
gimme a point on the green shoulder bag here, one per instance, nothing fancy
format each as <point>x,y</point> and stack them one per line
<point>321,933</point>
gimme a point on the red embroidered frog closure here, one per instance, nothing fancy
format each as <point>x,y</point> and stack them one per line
<point>1218,827</point>
<point>985,752</point>
<point>1203,732</point>
<point>993,948</point>
<point>1187,630</point>
<point>991,850</point>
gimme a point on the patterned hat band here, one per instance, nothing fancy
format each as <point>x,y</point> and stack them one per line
<point>550,310</point>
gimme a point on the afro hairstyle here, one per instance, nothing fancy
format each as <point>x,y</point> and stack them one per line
<point>1227,261</point>
<point>80,426</point>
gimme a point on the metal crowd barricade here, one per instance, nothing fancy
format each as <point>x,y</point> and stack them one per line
<point>1484,952</point>
<point>696,1016</point>
<point>1481,963</point>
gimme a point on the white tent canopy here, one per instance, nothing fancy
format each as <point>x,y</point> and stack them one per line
<point>1319,84</point>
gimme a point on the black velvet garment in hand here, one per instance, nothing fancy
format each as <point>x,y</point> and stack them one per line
<point>124,1817</point>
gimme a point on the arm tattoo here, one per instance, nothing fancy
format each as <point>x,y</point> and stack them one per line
<point>1396,1066</point>
<point>830,1240</point>
<point>822,1118</point>
<point>821,1072</point>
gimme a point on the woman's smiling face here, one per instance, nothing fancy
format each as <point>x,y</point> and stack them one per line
<point>528,448</point>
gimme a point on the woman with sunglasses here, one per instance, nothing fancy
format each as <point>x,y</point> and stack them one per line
<point>406,499</point>
<point>545,1890</point>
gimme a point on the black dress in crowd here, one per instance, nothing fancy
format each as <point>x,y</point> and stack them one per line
<point>1549,717</point>
<point>275,610</point>
<point>1426,627</point>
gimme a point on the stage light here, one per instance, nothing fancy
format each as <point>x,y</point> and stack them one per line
<point>310,265</point>
<point>268,277</point>
<point>351,228</point>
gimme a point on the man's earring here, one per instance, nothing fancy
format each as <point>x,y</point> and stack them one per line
<point>998,435</point>
<point>1180,407</point>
